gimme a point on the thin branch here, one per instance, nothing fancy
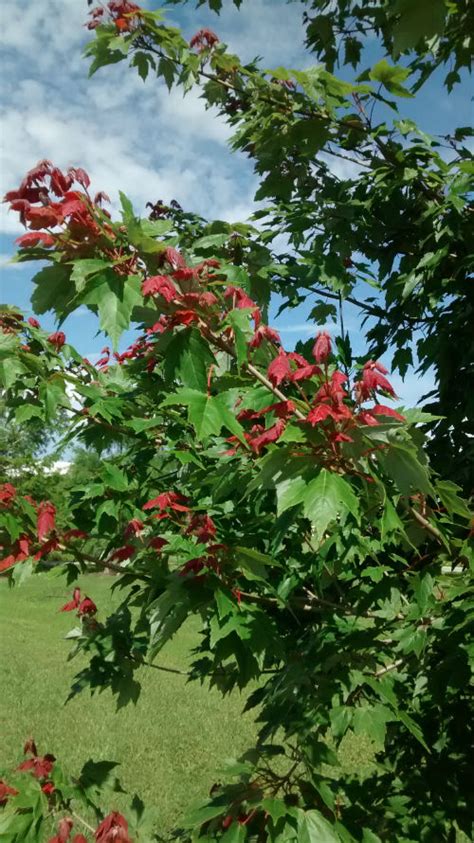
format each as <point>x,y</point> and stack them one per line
<point>84,823</point>
<point>383,670</point>
<point>423,522</point>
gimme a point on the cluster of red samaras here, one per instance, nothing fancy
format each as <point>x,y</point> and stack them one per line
<point>46,539</point>
<point>112,829</point>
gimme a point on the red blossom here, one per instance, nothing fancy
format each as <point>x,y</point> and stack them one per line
<point>173,257</point>
<point>161,285</point>
<point>33,322</point>
<point>322,347</point>
<point>240,297</point>
<point>320,413</point>
<point>40,766</point>
<point>57,339</point>
<point>185,273</point>
<point>204,39</point>
<point>113,829</point>
<point>168,500</point>
<point>272,434</point>
<point>5,792</point>
<point>373,380</point>
<point>7,494</point>
<point>134,527</point>
<point>29,747</point>
<point>87,607</point>
<point>48,788</point>
<point>79,175</point>
<point>267,333</point>
<point>203,527</point>
<point>74,603</point>
<point>279,368</point>
<point>60,184</point>
<point>123,553</point>
<point>32,238</point>
<point>46,519</point>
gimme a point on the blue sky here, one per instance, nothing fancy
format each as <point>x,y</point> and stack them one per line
<point>138,138</point>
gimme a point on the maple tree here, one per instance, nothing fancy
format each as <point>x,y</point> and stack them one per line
<point>273,493</point>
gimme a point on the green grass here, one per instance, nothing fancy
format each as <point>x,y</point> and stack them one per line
<point>168,745</point>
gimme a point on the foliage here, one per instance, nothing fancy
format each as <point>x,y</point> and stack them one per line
<point>273,494</point>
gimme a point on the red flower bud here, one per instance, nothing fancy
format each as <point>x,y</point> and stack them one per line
<point>57,339</point>
<point>322,347</point>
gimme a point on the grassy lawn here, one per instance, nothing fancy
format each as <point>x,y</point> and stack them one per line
<point>168,746</point>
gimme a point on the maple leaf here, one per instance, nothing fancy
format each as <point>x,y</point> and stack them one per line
<point>46,217</point>
<point>160,284</point>
<point>381,410</point>
<point>46,519</point>
<point>279,368</point>
<point>32,238</point>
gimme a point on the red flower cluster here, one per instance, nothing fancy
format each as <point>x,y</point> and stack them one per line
<point>113,829</point>
<point>167,501</point>
<point>124,14</point>
<point>41,766</point>
<point>57,339</point>
<point>7,494</point>
<point>84,605</point>
<point>372,381</point>
<point>204,39</point>
<point>45,200</point>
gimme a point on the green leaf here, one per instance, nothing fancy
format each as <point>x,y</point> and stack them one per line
<point>188,358</point>
<point>53,290</point>
<point>326,498</point>
<point>9,371</point>
<point>418,20</point>
<point>290,492</point>
<point>115,297</point>
<point>82,269</point>
<point>207,413</point>
<point>448,493</point>
<point>391,76</point>
<point>114,477</point>
<point>402,465</point>
<point>314,828</point>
